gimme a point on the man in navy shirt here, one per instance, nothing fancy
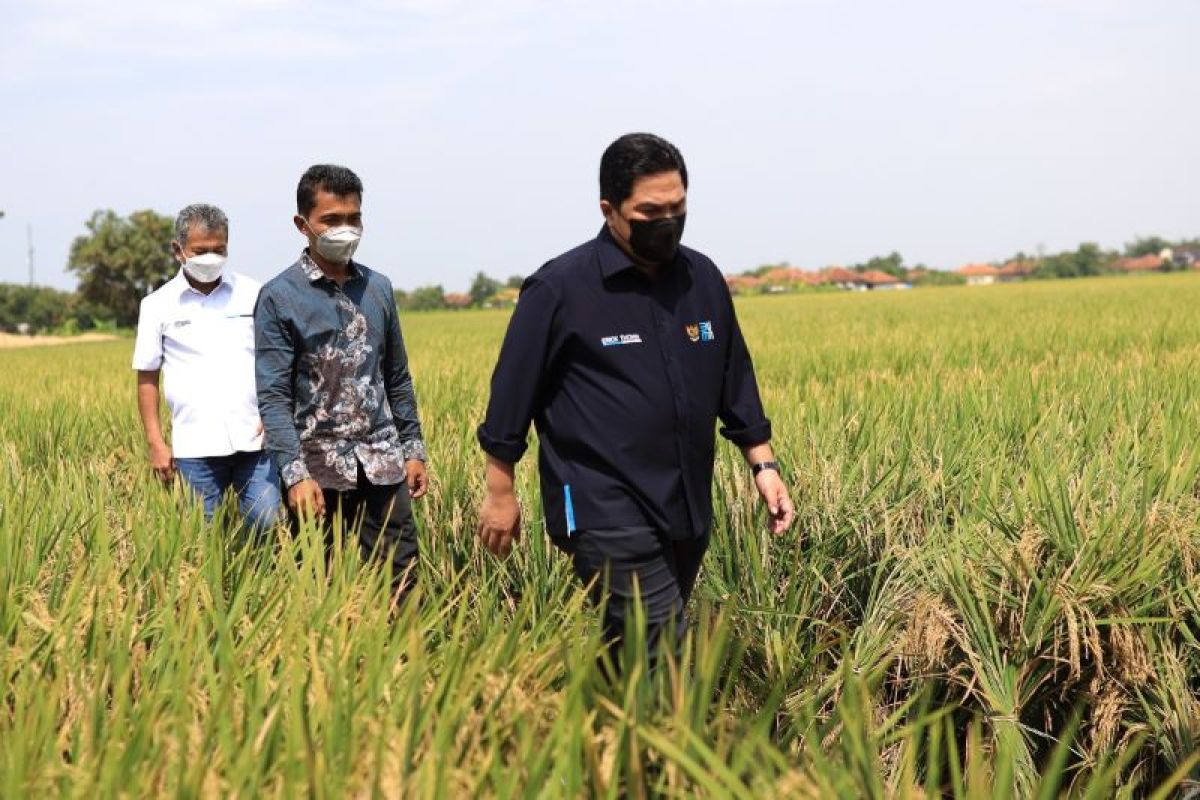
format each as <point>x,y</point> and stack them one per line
<point>624,352</point>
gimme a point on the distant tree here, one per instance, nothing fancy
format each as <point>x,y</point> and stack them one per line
<point>35,306</point>
<point>426,298</point>
<point>937,277</point>
<point>43,309</point>
<point>1087,259</point>
<point>1146,246</point>
<point>1049,267</point>
<point>514,282</point>
<point>482,287</point>
<point>1090,259</point>
<point>121,260</point>
<point>892,264</point>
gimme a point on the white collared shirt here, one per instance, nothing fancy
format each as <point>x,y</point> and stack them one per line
<point>204,345</point>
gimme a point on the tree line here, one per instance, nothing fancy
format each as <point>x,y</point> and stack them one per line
<point>1088,259</point>
<point>119,260</point>
<point>485,292</point>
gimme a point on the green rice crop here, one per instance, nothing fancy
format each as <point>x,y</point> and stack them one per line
<point>991,589</point>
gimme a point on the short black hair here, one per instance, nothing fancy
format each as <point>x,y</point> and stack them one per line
<point>330,177</point>
<point>634,156</point>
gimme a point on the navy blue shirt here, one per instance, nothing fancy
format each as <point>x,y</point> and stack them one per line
<point>625,378</point>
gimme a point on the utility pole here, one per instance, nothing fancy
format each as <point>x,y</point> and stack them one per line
<point>29,239</point>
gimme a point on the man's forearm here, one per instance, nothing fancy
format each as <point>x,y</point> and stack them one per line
<point>499,476</point>
<point>758,453</point>
<point>147,400</point>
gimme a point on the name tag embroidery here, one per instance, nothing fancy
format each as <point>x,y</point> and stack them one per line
<point>700,332</point>
<point>179,323</point>
<point>624,338</point>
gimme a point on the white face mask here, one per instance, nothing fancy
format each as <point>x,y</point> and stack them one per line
<point>206,268</point>
<point>338,244</point>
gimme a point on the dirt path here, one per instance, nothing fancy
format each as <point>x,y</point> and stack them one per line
<point>10,340</point>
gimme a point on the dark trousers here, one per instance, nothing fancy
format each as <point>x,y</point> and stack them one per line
<point>383,520</point>
<point>613,561</point>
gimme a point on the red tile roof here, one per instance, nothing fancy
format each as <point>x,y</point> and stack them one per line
<point>1017,269</point>
<point>1140,264</point>
<point>842,275</point>
<point>877,277</point>
<point>781,275</point>
<point>974,270</point>
<point>743,280</point>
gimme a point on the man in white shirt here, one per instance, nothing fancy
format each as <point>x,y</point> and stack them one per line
<point>198,331</point>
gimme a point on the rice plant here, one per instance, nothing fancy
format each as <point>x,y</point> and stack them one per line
<point>991,589</point>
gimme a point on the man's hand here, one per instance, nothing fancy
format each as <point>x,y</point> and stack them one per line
<point>418,479</point>
<point>162,461</point>
<point>305,498</point>
<point>499,522</point>
<point>774,493</point>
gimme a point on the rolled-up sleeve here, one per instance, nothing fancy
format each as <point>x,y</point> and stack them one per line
<point>517,379</point>
<point>402,398</point>
<point>744,422</point>
<point>274,359</point>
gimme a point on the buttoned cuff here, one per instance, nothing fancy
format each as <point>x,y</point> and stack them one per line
<point>293,472</point>
<point>414,450</point>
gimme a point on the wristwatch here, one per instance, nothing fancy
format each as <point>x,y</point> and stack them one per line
<point>763,465</point>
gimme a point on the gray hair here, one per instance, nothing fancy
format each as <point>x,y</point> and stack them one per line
<point>201,216</point>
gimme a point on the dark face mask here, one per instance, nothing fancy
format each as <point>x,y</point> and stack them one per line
<point>656,240</point>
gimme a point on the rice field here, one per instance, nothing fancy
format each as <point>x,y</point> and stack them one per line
<point>991,589</point>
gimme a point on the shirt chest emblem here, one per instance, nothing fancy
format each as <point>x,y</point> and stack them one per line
<point>620,339</point>
<point>700,331</point>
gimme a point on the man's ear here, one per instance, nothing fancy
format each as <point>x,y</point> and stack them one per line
<point>177,250</point>
<point>606,208</point>
<point>299,222</point>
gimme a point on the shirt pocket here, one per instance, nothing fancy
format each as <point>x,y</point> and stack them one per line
<point>239,329</point>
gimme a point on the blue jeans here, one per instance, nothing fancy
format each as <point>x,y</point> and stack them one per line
<point>251,475</point>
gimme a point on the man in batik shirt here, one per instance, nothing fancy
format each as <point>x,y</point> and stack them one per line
<point>334,389</point>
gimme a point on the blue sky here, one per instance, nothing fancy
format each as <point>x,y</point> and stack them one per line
<point>816,132</point>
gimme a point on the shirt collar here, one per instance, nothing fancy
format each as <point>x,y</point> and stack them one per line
<point>314,273</point>
<point>614,260</point>
<point>185,286</point>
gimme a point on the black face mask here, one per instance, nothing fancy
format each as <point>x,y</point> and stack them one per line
<point>656,240</point>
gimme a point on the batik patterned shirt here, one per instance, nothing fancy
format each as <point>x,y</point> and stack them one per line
<point>334,390</point>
